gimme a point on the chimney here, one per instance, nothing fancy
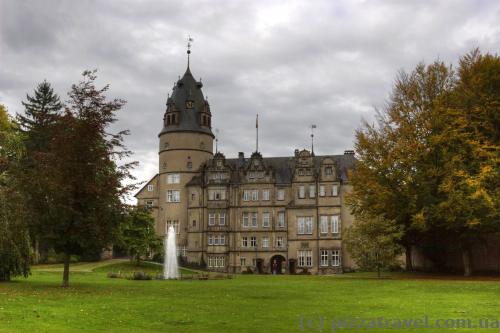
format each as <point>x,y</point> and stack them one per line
<point>296,152</point>
<point>241,158</point>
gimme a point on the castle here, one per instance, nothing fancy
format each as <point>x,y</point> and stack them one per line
<point>246,214</point>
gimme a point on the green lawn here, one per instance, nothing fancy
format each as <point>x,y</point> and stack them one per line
<point>95,303</point>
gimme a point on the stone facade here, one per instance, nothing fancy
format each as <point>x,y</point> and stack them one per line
<point>259,214</point>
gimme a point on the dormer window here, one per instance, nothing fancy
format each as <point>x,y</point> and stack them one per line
<point>328,171</point>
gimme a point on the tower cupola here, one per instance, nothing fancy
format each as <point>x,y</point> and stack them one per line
<point>187,109</point>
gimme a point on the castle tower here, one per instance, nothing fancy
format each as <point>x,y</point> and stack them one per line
<point>186,141</point>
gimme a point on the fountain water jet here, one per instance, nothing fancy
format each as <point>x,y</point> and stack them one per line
<point>170,266</point>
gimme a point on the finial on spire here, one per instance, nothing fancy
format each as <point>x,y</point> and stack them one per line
<point>189,41</point>
<point>216,140</point>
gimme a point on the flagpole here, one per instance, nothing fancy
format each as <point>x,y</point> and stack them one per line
<point>257,133</point>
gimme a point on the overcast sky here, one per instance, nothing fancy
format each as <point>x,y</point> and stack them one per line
<point>295,63</point>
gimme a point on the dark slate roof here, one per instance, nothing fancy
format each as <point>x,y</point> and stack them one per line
<point>187,88</point>
<point>284,166</point>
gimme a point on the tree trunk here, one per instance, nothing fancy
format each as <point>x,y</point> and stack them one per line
<point>467,262</point>
<point>409,263</point>
<point>378,271</point>
<point>65,282</point>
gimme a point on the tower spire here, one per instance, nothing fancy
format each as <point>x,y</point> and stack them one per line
<point>189,41</point>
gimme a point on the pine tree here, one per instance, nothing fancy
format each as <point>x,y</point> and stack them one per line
<point>40,112</point>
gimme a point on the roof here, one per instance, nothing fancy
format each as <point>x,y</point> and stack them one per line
<point>187,89</point>
<point>283,167</point>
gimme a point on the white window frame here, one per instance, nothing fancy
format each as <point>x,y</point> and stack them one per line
<point>301,225</point>
<point>222,218</point>
<point>309,225</point>
<point>322,190</point>
<point>173,178</point>
<point>301,192</point>
<point>173,223</point>
<point>173,196</point>
<point>324,256</point>
<point>243,261</point>
<point>328,171</point>
<point>244,241</point>
<point>245,220</point>
<point>211,219</point>
<point>254,220</point>
<point>279,241</point>
<point>281,219</point>
<point>150,203</point>
<point>151,188</point>
<point>216,240</point>
<point>335,224</point>
<point>335,258</point>
<point>255,195</point>
<point>265,242</point>
<point>210,240</point>
<point>304,258</point>
<point>253,241</point>
<point>246,195</point>
<point>222,240</point>
<point>312,191</point>
<point>266,195</point>
<point>266,220</point>
<point>281,195</point>
<point>323,224</point>
<point>335,190</point>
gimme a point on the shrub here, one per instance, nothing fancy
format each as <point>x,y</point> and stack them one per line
<point>140,276</point>
<point>114,275</point>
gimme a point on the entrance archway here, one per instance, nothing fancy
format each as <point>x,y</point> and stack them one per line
<point>277,264</point>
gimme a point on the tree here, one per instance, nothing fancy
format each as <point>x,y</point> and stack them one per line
<point>40,114</point>
<point>373,243</point>
<point>138,235</point>
<point>470,189</point>
<point>396,176</point>
<point>14,237</point>
<point>84,183</point>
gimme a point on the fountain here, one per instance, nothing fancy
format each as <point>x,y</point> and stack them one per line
<point>170,267</point>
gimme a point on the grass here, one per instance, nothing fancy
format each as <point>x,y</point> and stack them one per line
<point>247,303</point>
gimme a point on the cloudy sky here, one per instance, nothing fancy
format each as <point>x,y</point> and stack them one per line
<point>295,63</point>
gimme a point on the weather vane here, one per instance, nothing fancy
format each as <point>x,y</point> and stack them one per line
<point>312,138</point>
<point>189,40</point>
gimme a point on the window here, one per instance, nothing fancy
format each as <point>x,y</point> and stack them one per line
<point>265,242</point>
<point>309,225</point>
<point>304,258</point>
<point>222,240</point>
<point>173,178</point>
<point>193,196</point>
<point>173,196</point>
<point>301,225</point>
<point>150,188</point>
<point>217,194</point>
<point>244,241</point>
<point>222,219</point>
<point>328,171</point>
<point>245,220</point>
<point>323,258</point>
<point>174,224</point>
<point>281,194</point>
<point>265,220</point>
<point>211,218</point>
<point>194,223</point>
<point>336,258</point>
<point>210,240</point>
<point>322,190</point>
<point>279,241</point>
<point>216,240</point>
<point>312,191</point>
<point>323,224</point>
<point>335,190</point>
<point>301,192</point>
<point>281,219</point>
<point>253,241</point>
<point>149,203</point>
<point>246,195</point>
<point>216,262</point>
<point>255,195</point>
<point>335,224</point>
<point>254,220</point>
<point>189,165</point>
<point>265,195</point>
<point>243,261</point>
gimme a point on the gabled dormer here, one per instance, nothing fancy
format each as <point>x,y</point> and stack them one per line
<point>217,171</point>
<point>304,165</point>
<point>256,170</point>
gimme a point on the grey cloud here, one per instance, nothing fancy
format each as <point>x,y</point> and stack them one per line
<point>296,63</point>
